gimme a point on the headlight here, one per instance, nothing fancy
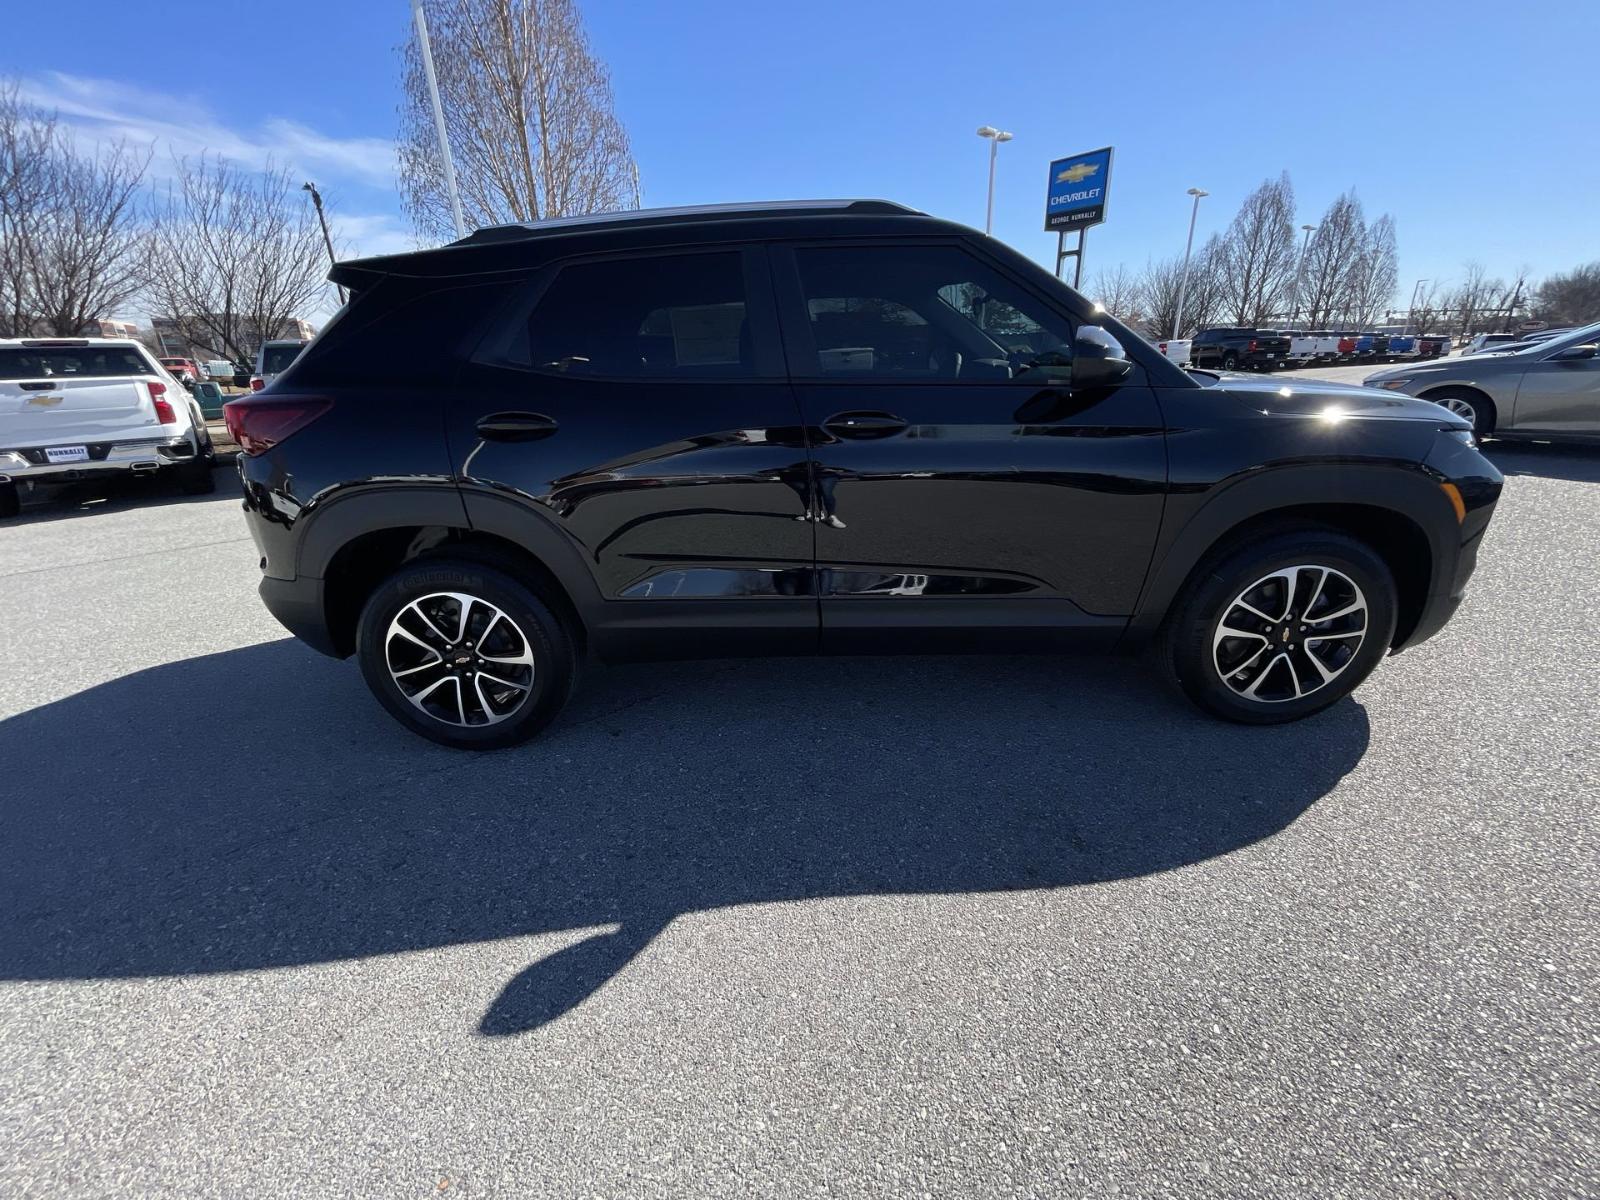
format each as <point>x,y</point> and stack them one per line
<point>1393,385</point>
<point>1463,436</point>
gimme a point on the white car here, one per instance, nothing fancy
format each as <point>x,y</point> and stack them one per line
<point>1176,349</point>
<point>1303,348</point>
<point>78,408</point>
<point>1488,341</point>
<point>273,359</point>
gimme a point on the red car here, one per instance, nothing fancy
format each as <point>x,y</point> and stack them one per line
<point>181,367</point>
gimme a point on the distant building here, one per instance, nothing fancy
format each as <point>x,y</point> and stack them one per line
<point>169,336</point>
<point>111,329</point>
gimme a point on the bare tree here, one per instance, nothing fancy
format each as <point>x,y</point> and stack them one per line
<point>87,249</point>
<point>1160,282</point>
<point>1118,292</point>
<point>528,110</point>
<point>1572,298</point>
<point>1258,253</point>
<point>27,139</point>
<point>1427,309</point>
<point>1332,263</point>
<point>235,256</point>
<point>1376,270</point>
<point>1472,297</point>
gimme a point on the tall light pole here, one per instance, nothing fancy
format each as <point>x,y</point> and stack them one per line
<point>1411,311</point>
<point>995,136</point>
<point>316,200</point>
<point>1299,274</point>
<point>1183,280</point>
<point>438,119</point>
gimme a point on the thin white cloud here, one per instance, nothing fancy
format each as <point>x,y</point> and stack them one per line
<point>183,126</point>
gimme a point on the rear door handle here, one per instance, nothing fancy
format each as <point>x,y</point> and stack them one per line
<point>865,424</point>
<point>516,427</point>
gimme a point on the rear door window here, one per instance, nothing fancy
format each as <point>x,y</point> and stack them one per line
<point>661,316</point>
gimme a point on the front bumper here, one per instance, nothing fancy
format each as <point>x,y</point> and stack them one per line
<point>135,455</point>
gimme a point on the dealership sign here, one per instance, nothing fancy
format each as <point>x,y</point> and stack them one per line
<point>1076,198</point>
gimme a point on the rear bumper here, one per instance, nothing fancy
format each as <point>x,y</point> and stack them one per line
<point>133,456</point>
<point>297,605</point>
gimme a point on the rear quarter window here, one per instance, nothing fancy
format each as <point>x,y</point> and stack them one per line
<point>403,331</point>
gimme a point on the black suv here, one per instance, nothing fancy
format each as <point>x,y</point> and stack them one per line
<point>1231,349</point>
<point>837,427</point>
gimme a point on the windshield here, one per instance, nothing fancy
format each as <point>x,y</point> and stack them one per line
<point>82,362</point>
<point>275,359</point>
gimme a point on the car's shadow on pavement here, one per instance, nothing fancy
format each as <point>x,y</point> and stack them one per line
<point>1551,460</point>
<point>255,808</point>
<point>97,496</point>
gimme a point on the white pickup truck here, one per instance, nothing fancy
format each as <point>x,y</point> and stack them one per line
<point>1176,349</point>
<point>79,408</point>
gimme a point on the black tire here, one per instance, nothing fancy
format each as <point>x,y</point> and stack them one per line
<point>1194,654</point>
<point>1230,362</point>
<point>1483,413</point>
<point>10,502</point>
<point>534,629</point>
<point>196,479</point>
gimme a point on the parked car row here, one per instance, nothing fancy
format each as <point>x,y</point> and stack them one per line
<point>1241,348</point>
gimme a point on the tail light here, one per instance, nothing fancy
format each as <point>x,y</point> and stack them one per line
<point>259,425</point>
<point>164,410</point>
<point>1252,344</point>
<point>1161,346</point>
<point>257,383</point>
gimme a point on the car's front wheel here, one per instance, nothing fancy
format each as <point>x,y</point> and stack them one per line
<point>1464,402</point>
<point>1282,627</point>
<point>465,654</point>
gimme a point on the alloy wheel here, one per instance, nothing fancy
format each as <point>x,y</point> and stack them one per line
<point>1290,633</point>
<point>1461,408</point>
<point>459,659</point>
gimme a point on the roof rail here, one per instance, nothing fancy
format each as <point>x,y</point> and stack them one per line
<point>688,213</point>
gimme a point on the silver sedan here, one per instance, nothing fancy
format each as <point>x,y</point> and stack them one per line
<point>1550,389</point>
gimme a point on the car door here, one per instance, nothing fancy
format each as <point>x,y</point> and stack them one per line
<point>964,493</point>
<point>639,402</point>
<point>1560,393</point>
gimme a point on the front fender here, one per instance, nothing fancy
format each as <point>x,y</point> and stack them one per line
<point>1408,492</point>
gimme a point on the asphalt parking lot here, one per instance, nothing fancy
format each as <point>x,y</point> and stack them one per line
<point>947,927</point>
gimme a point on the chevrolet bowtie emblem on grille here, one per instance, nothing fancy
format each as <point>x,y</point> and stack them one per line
<point>1077,172</point>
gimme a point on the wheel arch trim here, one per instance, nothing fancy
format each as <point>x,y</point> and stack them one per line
<point>1408,492</point>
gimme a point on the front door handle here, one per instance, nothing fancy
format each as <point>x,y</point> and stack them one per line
<point>516,427</point>
<point>864,424</point>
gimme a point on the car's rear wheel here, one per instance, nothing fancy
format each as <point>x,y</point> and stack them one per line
<point>1464,402</point>
<point>1230,362</point>
<point>465,654</point>
<point>1282,627</point>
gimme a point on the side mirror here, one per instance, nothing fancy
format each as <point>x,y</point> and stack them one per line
<point>1581,350</point>
<point>1098,360</point>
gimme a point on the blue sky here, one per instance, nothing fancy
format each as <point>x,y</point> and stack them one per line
<point>1473,123</point>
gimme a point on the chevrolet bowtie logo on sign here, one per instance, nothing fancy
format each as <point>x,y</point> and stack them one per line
<point>1076,195</point>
